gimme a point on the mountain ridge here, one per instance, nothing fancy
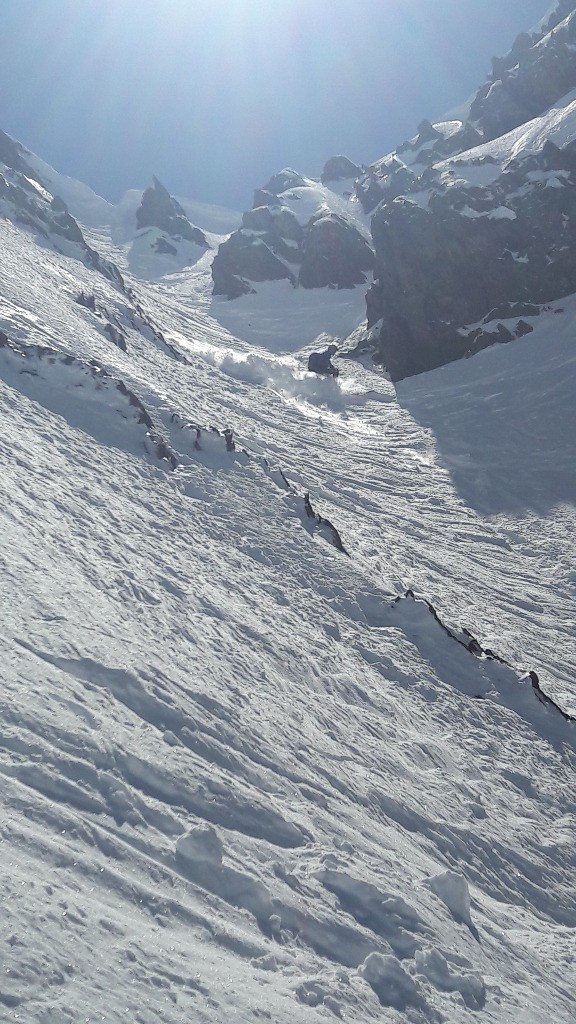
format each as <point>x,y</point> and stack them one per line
<point>287,715</point>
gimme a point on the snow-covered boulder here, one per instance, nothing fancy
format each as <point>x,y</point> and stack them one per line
<point>452,888</point>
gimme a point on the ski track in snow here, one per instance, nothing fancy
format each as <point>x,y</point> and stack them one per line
<point>239,779</point>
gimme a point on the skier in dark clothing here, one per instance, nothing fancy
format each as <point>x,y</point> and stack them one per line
<point>321,362</point>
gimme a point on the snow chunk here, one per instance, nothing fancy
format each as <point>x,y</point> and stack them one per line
<point>452,888</point>
<point>434,966</point>
<point>391,983</point>
<point>200,844</point>
<point>502,213</point>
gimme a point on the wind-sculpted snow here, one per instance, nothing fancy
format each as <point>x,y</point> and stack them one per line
<point>84,393</point>
<point>239,777</point>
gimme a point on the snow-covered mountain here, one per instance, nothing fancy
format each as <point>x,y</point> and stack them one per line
<point>288,662</point>
<point>473,223</point>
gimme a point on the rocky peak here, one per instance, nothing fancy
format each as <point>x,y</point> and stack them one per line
<point>283,181</point>
<point>336,255</point>
<point>339,168</point>
<point>159,209</point>
<point>273,244</point>
<point>12,155</point>
<point>537,72</point>
<point>276,223</point>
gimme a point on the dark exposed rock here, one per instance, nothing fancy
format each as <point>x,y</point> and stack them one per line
<point>522,328</point>
<point>12,154</point>
<point>508,310</point>
<point>278,221</point>
<point>262,197</point>
<point>62,223</point>
<point>426,133</point>
<point>339,168</point>
<point>473,254</point>
<point>371,190</point>
<point>89,301</point>
<point>336,254</point>
<point>326,527</point>
<point>116,336</point>
<point>544,698</point>
<point>161,245</point>
<point>243,258</point>
<point>278,228</point>
<point>530,78</point>
<point>284,180</point>
<point>160,210</point>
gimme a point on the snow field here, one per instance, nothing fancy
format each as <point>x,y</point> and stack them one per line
<point>239,779</point>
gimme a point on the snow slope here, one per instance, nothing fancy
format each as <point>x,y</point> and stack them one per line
<point>557,125</point>
<point>245,774</point>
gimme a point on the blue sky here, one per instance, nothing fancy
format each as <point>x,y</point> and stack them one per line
<point>214,96</point>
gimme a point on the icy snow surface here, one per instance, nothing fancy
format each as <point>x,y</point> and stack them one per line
<point>241,781</point>
<point>557,125</point>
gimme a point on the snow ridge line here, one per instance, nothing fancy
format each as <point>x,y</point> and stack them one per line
<point>160,446</point>
<point>101,377</point>
<point>51,219</point>
<point>325,527</point>
<point>137,318</point>
<point>475,647</point>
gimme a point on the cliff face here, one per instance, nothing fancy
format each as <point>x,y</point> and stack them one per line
<point>453,265</point>
<point>523,84</point>
<point>160,210</point>
<point>471,241</point>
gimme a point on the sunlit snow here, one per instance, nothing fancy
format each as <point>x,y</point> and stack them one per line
<point>248,776</point>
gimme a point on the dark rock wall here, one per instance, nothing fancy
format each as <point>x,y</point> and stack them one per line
<point>160,210</point>
<point>439,270</point>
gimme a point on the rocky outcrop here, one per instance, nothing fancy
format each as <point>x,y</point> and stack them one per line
<point>246,257</point>
<point>404,170</point>
<point>339,168</point>
<point>538,71</point>
<point>160,210</point>
<point>460,265</point>
<point>49,217</point>
<point>62,225</point>
<point>335,254</point>
<point>273,244</point>
<point>285,180</point>
<point>277,226</point>
<point>448,270</point>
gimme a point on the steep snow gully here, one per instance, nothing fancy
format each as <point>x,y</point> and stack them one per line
<point>247,774</point>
